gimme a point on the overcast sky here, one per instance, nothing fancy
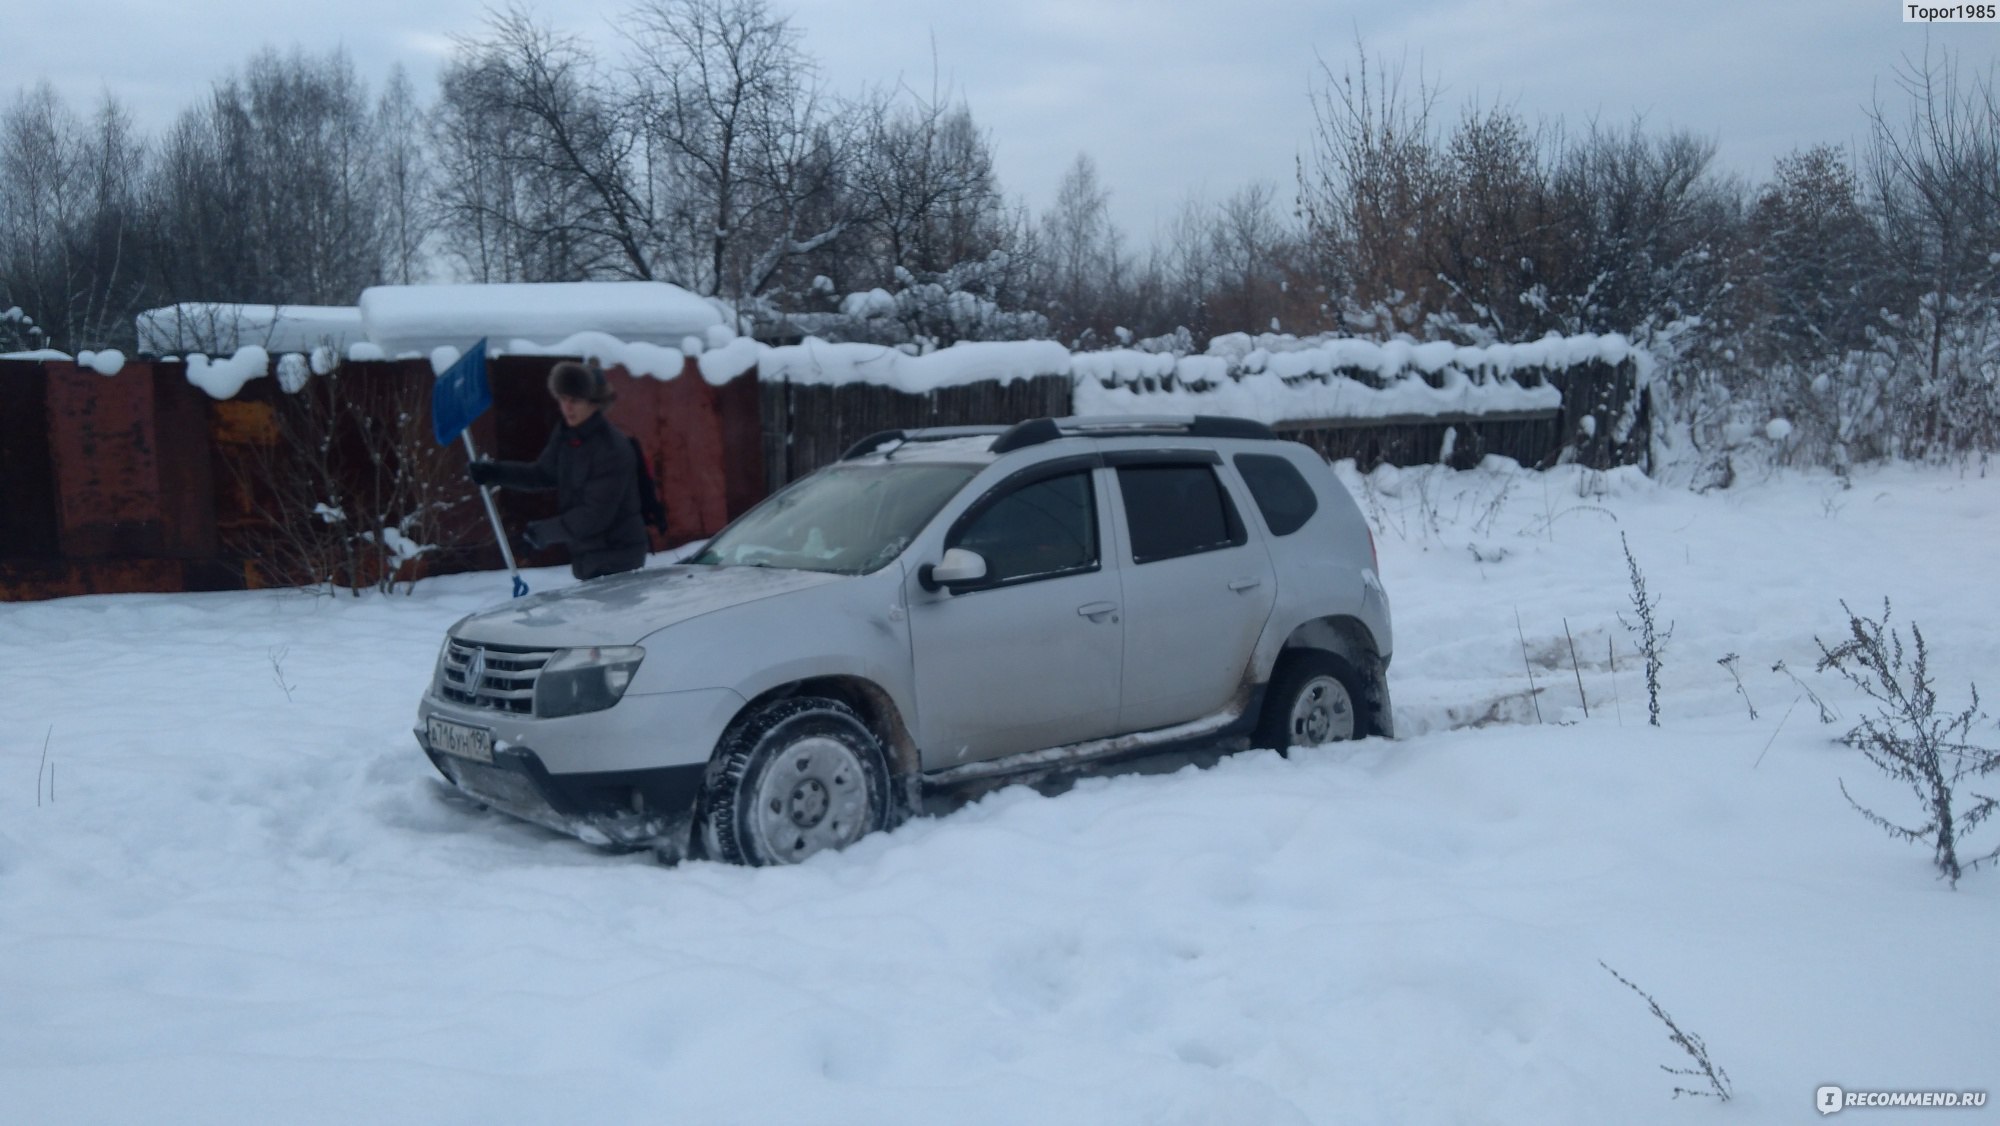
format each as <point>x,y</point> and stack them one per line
<point>1168,96</point>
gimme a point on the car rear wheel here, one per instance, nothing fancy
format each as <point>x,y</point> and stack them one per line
<point>791,779</point>
<point>1315,698</point>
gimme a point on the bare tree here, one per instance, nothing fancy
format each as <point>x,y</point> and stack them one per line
<point>545,175</point>
<point>746,156</point>
<point>1185,255</point>
<point>1370,191</point>
<point>923,185</point>
<point>1935,167</point>
<point>406,179</point>
<point>475,198</point>
<point>1082,264</point>
<point>1248,241</point>
<point>1502,232</point>
<point>69,209</point>
<point>271,191</point>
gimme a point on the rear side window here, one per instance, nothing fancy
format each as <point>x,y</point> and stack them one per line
<point>1176,510</point>
<point>1037,531</point>
<point>1280,490</point>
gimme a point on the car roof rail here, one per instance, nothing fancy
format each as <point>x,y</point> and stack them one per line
<point>1035,431</point>
<point>882,438</point>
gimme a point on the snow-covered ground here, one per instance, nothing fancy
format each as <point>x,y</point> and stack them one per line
<point>230,891</point>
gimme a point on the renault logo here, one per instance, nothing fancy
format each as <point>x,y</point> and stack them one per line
<point>475,672</point>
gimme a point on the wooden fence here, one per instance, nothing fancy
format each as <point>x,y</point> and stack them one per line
<point>136,482</point>
<point>1617,431</point>
<point>807,426</point>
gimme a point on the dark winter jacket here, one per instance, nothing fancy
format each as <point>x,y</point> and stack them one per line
<point>593,470</point>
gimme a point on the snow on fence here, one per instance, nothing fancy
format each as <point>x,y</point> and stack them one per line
<point>133,482</point>
<point>220,329</point>
<point>1577,398</point>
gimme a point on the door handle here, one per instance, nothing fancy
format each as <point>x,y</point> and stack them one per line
<point>1245,583</point>
<point>1096,611</point>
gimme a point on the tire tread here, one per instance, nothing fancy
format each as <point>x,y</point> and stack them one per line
<point>721,826</point>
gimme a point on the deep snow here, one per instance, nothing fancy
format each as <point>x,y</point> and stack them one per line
<point>242,898</point>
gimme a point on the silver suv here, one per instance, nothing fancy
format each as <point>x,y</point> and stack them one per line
<point>940,612</point>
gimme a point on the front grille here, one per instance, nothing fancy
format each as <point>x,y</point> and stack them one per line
<point>507,683</point>
<point>501,788</point>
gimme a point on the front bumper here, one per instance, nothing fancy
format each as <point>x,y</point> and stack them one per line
<point>614,809</point>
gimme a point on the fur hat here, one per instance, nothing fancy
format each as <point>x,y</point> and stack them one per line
<point>572,380</point>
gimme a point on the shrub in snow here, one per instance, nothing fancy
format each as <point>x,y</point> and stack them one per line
<point>1651,640</point>
<point>1729,662</point>
<point>352,489</point>
<point>1909,740</point>
<point>1826,714</point>
<point>1704,1067</point>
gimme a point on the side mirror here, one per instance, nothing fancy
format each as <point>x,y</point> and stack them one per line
<point>957,566</point>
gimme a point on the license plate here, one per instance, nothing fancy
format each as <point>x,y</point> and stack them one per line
<point>475,743</point>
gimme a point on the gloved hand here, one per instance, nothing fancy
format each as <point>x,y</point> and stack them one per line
<point>482,472</point>
<point>530,537</point>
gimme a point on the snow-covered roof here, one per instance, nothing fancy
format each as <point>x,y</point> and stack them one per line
<point>816,361</point>
<point>219,328</point>
<point>652,329</point>
<point>1267,398</point>
<point>402,319</point>
<point>1290,357</point>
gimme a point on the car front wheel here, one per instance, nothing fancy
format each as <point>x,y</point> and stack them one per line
<point>1314,698</point>
<point>793,778</point>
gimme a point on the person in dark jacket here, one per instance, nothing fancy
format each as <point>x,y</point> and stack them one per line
<point>593,469</point>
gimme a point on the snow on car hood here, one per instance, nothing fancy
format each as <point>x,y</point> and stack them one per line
<point>621,609</point>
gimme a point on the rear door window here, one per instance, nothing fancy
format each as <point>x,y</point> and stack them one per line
<point>1280,490</point>
<point>1174,510</point>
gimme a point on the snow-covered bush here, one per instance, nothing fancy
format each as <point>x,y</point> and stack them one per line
<point>19,332</point>
<point>928,311</point>
<point>1895,399</point>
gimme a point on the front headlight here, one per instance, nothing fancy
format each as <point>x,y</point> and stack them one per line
<point>585,680</point>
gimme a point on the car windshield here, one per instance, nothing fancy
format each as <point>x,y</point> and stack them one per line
<point>848,519</point>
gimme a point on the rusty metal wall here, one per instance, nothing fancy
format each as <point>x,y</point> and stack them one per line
<point>105,482</point>
<point>28,527</point>
<point>142,482</point>
<point>102,442</point>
